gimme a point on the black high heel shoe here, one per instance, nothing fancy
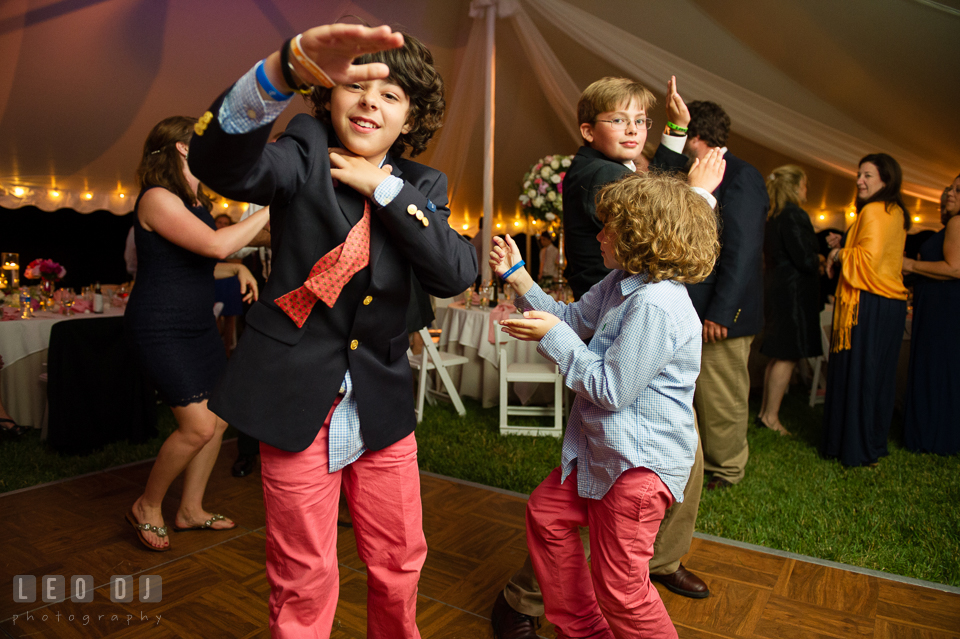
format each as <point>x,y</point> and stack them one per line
<point>11,432</point>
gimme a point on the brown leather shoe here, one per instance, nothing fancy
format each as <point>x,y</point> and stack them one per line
<point>510,624</point>
<point>683,582</point>
<point>717,483</point>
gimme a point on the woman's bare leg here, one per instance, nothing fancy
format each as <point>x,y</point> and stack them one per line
<point>775,385</point>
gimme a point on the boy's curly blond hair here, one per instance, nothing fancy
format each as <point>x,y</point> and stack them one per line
<point>661,227</point>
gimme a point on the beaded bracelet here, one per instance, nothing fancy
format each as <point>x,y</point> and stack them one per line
<point>288,73</point>
<point>676,127</point>
<point>268,87</point>
<point>512,269</point>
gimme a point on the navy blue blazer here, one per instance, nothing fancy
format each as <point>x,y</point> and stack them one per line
<point>589,171</point>
<point>282,380</point>
<point>732,295</point>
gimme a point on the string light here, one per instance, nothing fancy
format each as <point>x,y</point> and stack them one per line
<point>226,205</point>
<point>852,214</point>
<point>54,194</point>
<point>88,195</point>
<point>19,191</point>
<point>517,223</point>
<point>466,227</point>
<point>916,218</point>
<point>123,195</point>
<point>498,224</point>
<point>822,216</point>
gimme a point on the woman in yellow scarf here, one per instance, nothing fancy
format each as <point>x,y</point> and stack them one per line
<point>868,319</point>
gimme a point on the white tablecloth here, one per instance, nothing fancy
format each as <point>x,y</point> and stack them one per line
<point>466,332</point>
<point>23,345</point>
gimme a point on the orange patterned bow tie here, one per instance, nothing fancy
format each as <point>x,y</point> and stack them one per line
<point>331,272</point>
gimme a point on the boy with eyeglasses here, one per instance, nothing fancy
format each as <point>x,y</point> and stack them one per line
<point>613,115</point>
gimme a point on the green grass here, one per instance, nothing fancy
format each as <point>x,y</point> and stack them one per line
<point>901,517</point>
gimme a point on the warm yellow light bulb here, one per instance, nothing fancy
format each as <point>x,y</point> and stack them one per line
<point>517,223</point>
<point>822,216</point>
<point>852,214</point>
<point>466,227</point>
<point>916,218</point>
<point>225,205</point>
<point>123,195</point>
<point>54,194</point>
<point>88,195</point>
<point>534,222</point>
<point>19,191</point>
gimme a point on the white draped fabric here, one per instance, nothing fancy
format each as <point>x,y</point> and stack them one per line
<point>836,146</point>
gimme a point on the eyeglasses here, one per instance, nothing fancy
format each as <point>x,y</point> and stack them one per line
<point>620,124</point>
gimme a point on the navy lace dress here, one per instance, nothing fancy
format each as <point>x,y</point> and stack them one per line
<point>932,411</point>
<point>169,317</point>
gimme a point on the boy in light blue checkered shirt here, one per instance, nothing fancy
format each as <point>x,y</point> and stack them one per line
<point>631,438</point>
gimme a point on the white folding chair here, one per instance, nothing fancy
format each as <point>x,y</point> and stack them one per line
<point>544,372</point>
<point>818,386</point>
<point>429,359</point>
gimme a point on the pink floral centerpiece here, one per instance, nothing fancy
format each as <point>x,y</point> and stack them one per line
<point>49,272</point>
<point>44,269</point>
<point>542,192</point>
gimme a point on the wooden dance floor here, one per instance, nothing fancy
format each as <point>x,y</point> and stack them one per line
<point>213,583</point>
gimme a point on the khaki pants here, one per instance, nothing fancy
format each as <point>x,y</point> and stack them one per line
<point>522,592</point>
<point>721,403</point>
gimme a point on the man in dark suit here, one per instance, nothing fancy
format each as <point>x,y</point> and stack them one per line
<point>729,301</point>
<point>320,376</point>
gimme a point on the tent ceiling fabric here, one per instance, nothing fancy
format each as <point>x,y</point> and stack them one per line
<point>84,81</point>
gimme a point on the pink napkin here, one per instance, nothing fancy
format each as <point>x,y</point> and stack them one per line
<point>502,311</point>
<point>81,305</point>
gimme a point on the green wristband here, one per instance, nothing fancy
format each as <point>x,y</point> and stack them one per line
<point>681,129</point>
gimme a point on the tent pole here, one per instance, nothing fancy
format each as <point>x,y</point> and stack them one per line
<point>489,113</point>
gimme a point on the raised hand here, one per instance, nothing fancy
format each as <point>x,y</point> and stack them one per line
<point>709,173</point>
<point>676,108</point>
<point>333,47</point>
<point>503,255</point>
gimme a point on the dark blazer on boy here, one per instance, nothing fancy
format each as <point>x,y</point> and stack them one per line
<point>282,380</point>
<point>589,171</point>
<point>732,295</point>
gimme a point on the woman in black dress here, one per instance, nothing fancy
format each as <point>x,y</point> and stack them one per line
<point>171,323</point>
<point>792,289</point>
<point>932,410</point>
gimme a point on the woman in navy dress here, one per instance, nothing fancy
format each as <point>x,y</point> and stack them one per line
<point>171,324</point>
<point>932,409</point>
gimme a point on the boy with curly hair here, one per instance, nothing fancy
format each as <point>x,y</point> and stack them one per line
<point>322,379</point>
<point>631,437</point>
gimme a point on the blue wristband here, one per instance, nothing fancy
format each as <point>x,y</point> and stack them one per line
<point>512,269</point>
<point>265,84</point>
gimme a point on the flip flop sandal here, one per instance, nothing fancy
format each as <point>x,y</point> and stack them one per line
<point>207,525</point>
<point>141,528</point>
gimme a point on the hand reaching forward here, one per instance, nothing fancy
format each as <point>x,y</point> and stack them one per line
<point>708,174</point>
<point>333,47</point>
<point>533,326</point>
<point>713,332</point>
<point>677,111</point>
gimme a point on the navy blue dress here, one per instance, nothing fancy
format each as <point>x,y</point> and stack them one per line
<point>169,317</point>
<point>932,409</point>
<point>791,297</point>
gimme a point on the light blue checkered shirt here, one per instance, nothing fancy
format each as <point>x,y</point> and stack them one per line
<point>243,110</point>
<point>634,381</point>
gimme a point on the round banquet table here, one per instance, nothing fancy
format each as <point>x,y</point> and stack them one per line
<point>23,345</point>
<point>466,331</point>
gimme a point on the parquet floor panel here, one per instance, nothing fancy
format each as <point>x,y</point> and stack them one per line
<point>214,584</point>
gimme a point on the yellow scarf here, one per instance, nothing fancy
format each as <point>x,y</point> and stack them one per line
<point>872,260</point>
